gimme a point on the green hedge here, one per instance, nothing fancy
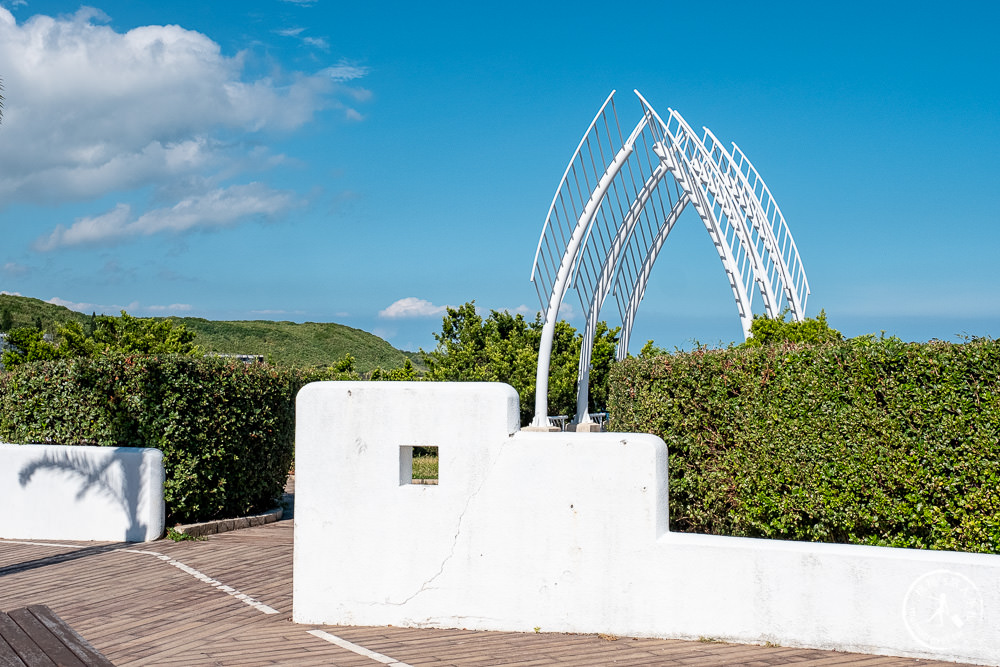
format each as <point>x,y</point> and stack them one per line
<point>226,429</point>
<point>869,441</point>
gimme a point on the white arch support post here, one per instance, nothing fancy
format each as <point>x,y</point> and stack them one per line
<point>580,171</point>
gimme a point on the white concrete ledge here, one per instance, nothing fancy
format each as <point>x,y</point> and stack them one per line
<point>568,532</point>
<point>54,492</point>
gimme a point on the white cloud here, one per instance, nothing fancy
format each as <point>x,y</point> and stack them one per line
<point>345,71</point>
<point>134,308</point>
<point>10,293</point>
<point>173,308</point>
<point>317,42</point>
<point>384,333</point>
<point>14,269</point>
<point>220,208</point>
<point>523,309</point>
<point>84,307</point>
<point>411,306</point>
<point>90,111</point>
<point>277,312</point>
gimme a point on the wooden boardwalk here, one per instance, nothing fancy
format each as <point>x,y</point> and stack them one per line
<point>228,601</point>
<point>35,636</point>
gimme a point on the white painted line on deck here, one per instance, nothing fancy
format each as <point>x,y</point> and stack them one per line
<point>228,590</point>
<point>46,544</point>
<point>354,648</point>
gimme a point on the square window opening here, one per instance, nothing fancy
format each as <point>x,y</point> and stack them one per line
<point>418,464</point>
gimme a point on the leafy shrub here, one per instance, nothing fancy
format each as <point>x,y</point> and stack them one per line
<point>407,373</point>
<point>771,330</point>
<point>226,429</point>
<point>27,344</point>
<point>103,335</point>
<point>870,441</point>
<point>504,348</point>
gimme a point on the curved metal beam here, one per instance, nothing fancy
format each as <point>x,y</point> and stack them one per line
<point>796,284</point>
<point>688,170</point>
<point>604,285</point>
<point>638,288</point>
<point>562,182</point>
<point>564,273</point>
<point>735,182</point>
<point>732,200</point>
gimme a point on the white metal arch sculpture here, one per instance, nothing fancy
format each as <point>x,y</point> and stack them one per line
<point>613,210</point>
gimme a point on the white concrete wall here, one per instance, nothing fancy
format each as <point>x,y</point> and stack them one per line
<point>568,532</point>
<point>53,492</point>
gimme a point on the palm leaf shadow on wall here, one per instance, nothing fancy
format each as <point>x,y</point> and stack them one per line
<point>109,477</point>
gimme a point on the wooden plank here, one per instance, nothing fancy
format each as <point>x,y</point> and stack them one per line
<point>69,637</point>
<point>22,644</point>
<point>53,648</point>
<point>8,658</point>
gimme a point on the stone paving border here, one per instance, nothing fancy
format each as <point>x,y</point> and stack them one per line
<point>206,528</point>
<point>226,525</point>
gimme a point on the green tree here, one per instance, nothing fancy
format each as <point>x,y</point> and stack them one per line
<point>74,342</point>
<point>405,373</point>
<point>772,331</point>
<point>345,364</point>
<point>28,345</point>
<point>112,335</point>
<point>504,348</point>
<point>138,335</point>
<point>6,320</point>
<point>650,349</point>
<point>601,360</point>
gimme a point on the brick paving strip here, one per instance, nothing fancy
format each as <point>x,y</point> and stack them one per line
<point>227,600</point>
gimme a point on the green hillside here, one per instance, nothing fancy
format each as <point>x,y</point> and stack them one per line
<point>285,343</point>
<point>288,343</point>
<point>24,310</point>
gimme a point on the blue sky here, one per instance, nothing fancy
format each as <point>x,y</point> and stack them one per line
<point>371,163</point>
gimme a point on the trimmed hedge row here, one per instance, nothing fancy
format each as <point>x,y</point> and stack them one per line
<point>226,429</point>
<point>868,441</point>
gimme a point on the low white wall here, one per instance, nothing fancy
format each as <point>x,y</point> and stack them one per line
<point>569,532</point>
<point>52,492</point>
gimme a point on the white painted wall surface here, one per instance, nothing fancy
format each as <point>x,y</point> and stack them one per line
<point>568,532</point>
<point>54,492</point>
